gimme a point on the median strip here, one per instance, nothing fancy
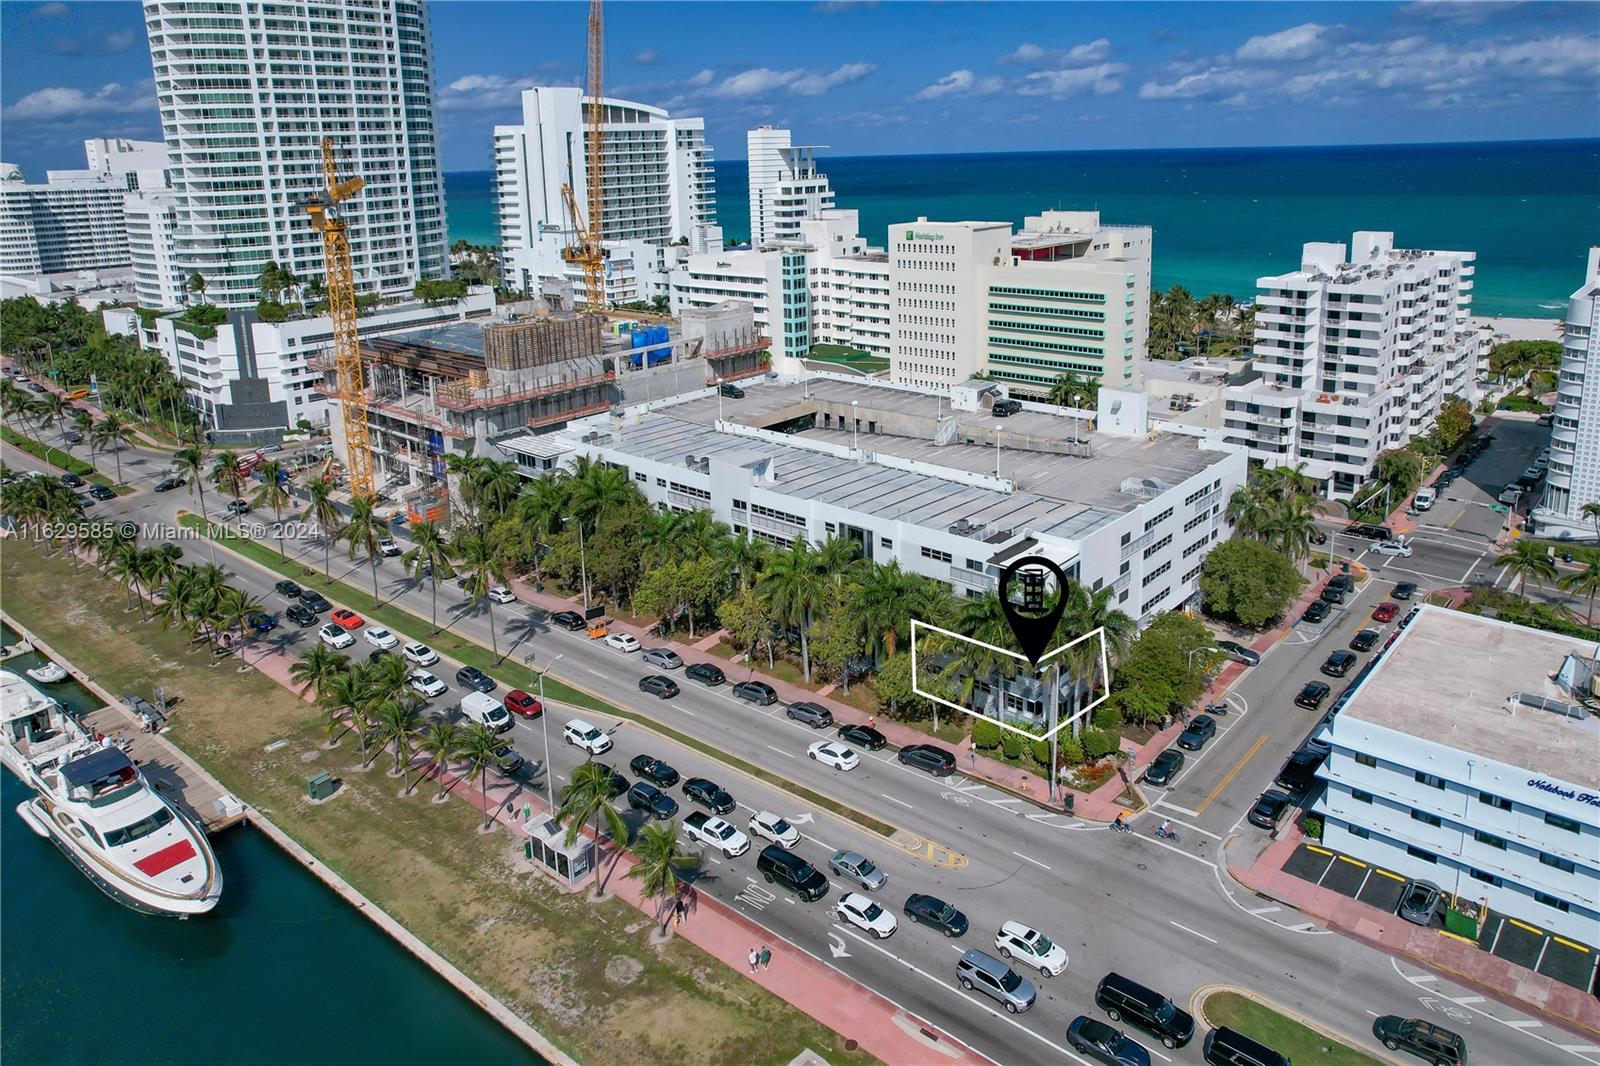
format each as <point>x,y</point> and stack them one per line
<point>1295,1037</point>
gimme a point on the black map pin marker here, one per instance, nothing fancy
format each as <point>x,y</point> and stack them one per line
<point>1032,623</point>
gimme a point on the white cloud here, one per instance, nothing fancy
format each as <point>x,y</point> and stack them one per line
<point>1214,82</point>
<point>486,92</point>
<point>761,80</point>
<point>1031,55</point>
<point>1101,79</point>
<point>67,103</point>
<point>1297,42</point>
<point>1463,11</point>
<point>705,77</point>
<point>49,11</point>
<point>817,84</point>
<point>958,82</point>
<point>646,57</point>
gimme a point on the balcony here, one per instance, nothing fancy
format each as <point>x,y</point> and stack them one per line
<point>963,578</point>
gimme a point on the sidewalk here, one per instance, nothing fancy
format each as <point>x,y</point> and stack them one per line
<point>847,1007</point>
<point>1457,959</point>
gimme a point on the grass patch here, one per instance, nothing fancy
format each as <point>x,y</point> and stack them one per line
<point>952,729</point>
<point>52,455</point>
<point>855,358</point>
<point>511,672</point>
<point>583,974</point>
<point>1283,1034</point>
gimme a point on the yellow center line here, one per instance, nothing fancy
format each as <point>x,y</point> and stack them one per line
<point>1231,775</point>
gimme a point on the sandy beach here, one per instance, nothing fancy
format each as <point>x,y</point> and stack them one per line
<point>1522,329</point>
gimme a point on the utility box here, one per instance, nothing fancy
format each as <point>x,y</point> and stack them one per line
<point>320,786</point>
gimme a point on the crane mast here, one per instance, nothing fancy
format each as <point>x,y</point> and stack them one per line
<point>587,248</point>
<point>341,289</point>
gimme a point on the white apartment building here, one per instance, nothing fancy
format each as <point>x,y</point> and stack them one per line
<point>1464,758</point>
<point>1573,479</point>
<point>251,379</point>
<point>657,185</point>
<point>74,219</point>
<point>1356,352</point>
<point>247,92</point>
<point>785,186</point>
<point>151,221</point>
<point>928,478</point>
<point>1066,293</point>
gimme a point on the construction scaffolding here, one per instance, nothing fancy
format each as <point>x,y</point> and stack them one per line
<point>516,346</point>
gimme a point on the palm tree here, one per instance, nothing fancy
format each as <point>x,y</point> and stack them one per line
<point>496,485</point>
<point>124,567</point>
<point>225,474</point>
<point>588,795</point>
<point>537,515</point>
<point>235,606</point>
<point>1085,612</point>
<point>190,465</point>
<point>362,531</point>
<point>660,858</point>
<point>841,559</point>
<point>197,285</point>
<point>744,556</point>
<point>885,603</point>
<point>1528,560</point>
<point>316,668</point>
<point>1249,509</point>
<point>1288,526</point>
<point>476,556</point>
<point>321,509</point>
<point>1591,511</point>
<point>345,691</point>
<point>430,556</point>
<point>440,742</point>
<point>53,409</point>
<point>273,494</point>
<point>463,469</point>
<point>1585,582</point>
<point>598,491</point>
<point>480,750</point>
<point>1072,389</point>
<point>793,584</point>
<point>112,433</point>
<point>396,722</point>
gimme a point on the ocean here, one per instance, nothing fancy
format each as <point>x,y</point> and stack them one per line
<point>1226,216</point>
<point>282,971</point>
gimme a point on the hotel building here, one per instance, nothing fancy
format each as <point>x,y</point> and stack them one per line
<point>785,186</point>
<point>247,92</point>
<point>74,220</point>
<point>1466,757</point>
<point>1574,476</point>
<point>1356,351</point>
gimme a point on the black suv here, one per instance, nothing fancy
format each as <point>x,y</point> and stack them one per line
<point>102,492</point>
<point>1403,591</point>
<point>757,692</point>
<point>1339,663</point>
<point>1201,729</point>
<point>732,392</point>
<point>1423,1039</point>
<point>863,736</point>
<point>72,481</point>
<point>1315,612</point>
<point>931,910</point>
<point>926,757</point>
<point>650,799</point>
<point>167,484</point>
<point>784,867</point>
<point>1005,408</point>
<point>659,686</point>
<point>1312,695</point>
<point>618,784</point>
<point>288,589</point>
<point>1149,1010</point>
<point>1365,640</point>
<point>474,678</point>
<point>1164,770</point>
<point>301,615</point>
<point>654,770</point>
<point>314,600</point>
<point>704,673</point>
<point>708,794</point>
<point>571,620</point>
<point>812,714</point>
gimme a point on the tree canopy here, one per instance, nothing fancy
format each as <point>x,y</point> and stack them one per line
<point>1246,582</point>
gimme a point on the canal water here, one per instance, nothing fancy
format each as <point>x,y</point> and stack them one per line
<point>282,971</point>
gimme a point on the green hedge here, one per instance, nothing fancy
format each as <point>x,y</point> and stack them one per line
<point>52,455</point>
<point>1011,743</point>
<point>985,733</point>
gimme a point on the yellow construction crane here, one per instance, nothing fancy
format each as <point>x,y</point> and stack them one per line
<point>586,247</point>
<point>341,289</point>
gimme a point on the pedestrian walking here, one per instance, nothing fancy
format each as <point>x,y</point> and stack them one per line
<point>755,959</point>
<point>872,721</point>
<point>765,957</point>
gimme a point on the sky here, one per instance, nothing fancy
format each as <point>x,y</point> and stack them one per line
<point>904,78</point>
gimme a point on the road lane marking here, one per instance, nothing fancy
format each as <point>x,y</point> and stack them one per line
<point>1228,780</point>
<point>1025,858</point>
<point>1191,932</point>
<point>1464,1000</point>
<point>1164,802</point>
<point>1523,1023</point>
<point>902,803</point>
<point>780,751</point>
<point>1264,910</point>
<point>685,710</point>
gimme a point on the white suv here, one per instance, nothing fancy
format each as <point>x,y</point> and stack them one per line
<point>590,738</point>
<point>862,913</point>
<point>1017,941</point>
<point>335,636</point>
<point>772,827</point>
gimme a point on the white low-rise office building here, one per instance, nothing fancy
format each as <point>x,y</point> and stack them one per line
<point>929,478</point>
<point>1574,475</point>
<point>1466,758</point>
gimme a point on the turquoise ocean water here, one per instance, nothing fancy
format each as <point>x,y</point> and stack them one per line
<point>283,971</point>
<point>1224,217</point>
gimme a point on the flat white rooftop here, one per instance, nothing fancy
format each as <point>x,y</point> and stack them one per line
<point>1447,680</point>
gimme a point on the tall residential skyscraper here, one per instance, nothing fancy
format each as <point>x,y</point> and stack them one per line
<point>656,181</point>
<point>785,185</point>
<point>1574,476</point>
<point>247,91</point>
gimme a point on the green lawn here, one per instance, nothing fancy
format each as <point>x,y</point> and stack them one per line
<point>57,458</point>
<point>866,362</point>
<point>1299,1043</point>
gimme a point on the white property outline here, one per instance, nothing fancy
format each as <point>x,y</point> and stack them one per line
<point>1105,672</point>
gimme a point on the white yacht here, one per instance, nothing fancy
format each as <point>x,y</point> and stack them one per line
<point>93,803</point>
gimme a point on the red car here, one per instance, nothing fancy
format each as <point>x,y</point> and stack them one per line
<point>347,618</point>
<point>1385,612</point>
<point>520,702</point>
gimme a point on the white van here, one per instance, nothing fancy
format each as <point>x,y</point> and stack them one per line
<point>484,709</point>
<point>1424,498</point>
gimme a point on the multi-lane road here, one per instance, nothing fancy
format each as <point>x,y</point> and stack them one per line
<point>1160,912</point>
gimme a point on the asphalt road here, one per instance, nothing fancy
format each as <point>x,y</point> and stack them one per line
<point>1158,912</point>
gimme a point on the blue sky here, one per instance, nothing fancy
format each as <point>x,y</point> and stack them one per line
<point>901,78</point>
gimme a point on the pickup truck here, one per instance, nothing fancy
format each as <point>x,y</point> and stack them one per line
<point>713,832</point>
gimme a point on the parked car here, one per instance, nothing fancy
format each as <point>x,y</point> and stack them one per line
<point>832,753</point>
<point>928,758</point>
<point>658,685</point>
<point>769,826</point>
<point>1229,1047</point>
<point>347,619</point>
<point>623,642</point>
<point>1269,809</point>
<point>757,692</point>
<point>1122,998</point>
<point>858,870</point>
<point>523,704</point>
<point>1365,640</point>
<point>238,507</point>
<point>1027,945</point>
<point>1403,591</point>
<point>1332,594</point>
<point>863,913</point>
<point>705,673</point>
<point>287,589</point>
<point>314,600</point>
<point>665,658</point>
<point>590,738</point>
<point>617,784</point>
<point>709,794</point>
<point>1315,612</point>
<point>102,492</point>
<point>501,594</point>
<point>1164,770</point>
<point>1385,612</point>
<point>732,392</point>
<point>473,678</point>
<point>646,797</point>
<point>301,615</point>
<point>1368,532</point>
<point>1419,903</point>
<point>812,714</point>
<point>72,481</point>
<point>570,620</point>
<point>935,913</point>
<point>167,484</point>
<point>654,770</point>
<point>388,548</point>
<point>863,736</point>
<point>1201,729</point>
<point>1299,773</point>
<point>335,636</point>
<point>715,833</point>
<point>1312,694</point>
<point>259,622</point>
<point>1436,1044</point>
<point>1105,1044</point>
<point>1338,663</point>
<point>1239,653</point>
<point>379,637</point>
<point>426,684</point>
<point>420,654</point>
<point>1005,408</point>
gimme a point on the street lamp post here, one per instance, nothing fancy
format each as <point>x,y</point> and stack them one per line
<point>583,564</point>
<point>719,399</point>
<point>855,426</point>
<point>544,726</point>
